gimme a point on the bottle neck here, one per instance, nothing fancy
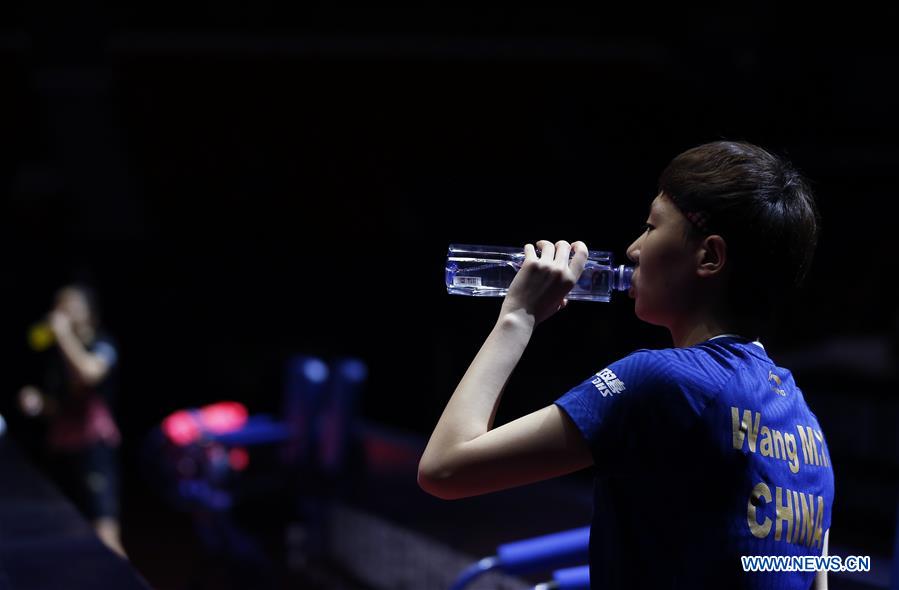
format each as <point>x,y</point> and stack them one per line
<point>621,277</point>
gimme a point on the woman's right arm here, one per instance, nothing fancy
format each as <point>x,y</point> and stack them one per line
<point>466,455</point>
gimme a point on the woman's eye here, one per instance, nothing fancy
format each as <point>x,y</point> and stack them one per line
<point>645,228</point>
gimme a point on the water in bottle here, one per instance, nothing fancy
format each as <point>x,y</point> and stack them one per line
<point>487,271</point>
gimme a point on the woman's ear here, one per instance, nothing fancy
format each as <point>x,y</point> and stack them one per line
<point>712,256</point>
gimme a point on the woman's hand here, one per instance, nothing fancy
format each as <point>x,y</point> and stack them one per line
<point>538,290</point>
<point>59,323</point>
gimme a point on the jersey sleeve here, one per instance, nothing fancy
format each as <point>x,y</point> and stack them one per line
<point>632,412</point>
<point>107,351</point>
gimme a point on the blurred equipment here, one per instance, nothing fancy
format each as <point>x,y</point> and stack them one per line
<point>572,578</point>
<point>208,461</point>
<point>546,552</point>
<point>186,426</point>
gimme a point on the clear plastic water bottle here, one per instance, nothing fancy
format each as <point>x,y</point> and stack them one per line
<point>487,271</point>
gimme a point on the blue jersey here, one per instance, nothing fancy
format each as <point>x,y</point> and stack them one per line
<point>702,455</point>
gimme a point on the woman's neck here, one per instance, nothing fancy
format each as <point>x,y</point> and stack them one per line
<point>699,330</point>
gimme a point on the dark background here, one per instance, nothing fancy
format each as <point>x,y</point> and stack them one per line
<point>245,181</point>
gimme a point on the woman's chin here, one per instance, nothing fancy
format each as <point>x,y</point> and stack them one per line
<point>639,311</point>
<point>645,314</point>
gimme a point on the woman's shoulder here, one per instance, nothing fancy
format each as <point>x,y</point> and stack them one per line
<point>692,365</point>
<point>678,381</point>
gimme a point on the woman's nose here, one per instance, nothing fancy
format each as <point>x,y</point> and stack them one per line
<point>633,252</point>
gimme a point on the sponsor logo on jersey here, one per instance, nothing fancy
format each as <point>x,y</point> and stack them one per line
<point>608,383</point>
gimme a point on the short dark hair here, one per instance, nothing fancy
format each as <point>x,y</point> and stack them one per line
<point>765,211</point>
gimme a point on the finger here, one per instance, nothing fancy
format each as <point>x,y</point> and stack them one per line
<point>563,251</point>
<point>547,251</point>
<point>529,252</point>
<point>580,258</point>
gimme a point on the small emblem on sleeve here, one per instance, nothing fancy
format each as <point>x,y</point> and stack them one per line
<point>608,383</point>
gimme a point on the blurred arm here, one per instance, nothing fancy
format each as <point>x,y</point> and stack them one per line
<point>89,369</point>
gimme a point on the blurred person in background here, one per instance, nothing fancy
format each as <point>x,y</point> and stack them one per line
<point>74,399</point>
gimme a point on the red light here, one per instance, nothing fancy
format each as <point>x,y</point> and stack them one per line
<point>239,458</point>
<point>186,426</point>
<point>223,417</point>
<point>181,428</point>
